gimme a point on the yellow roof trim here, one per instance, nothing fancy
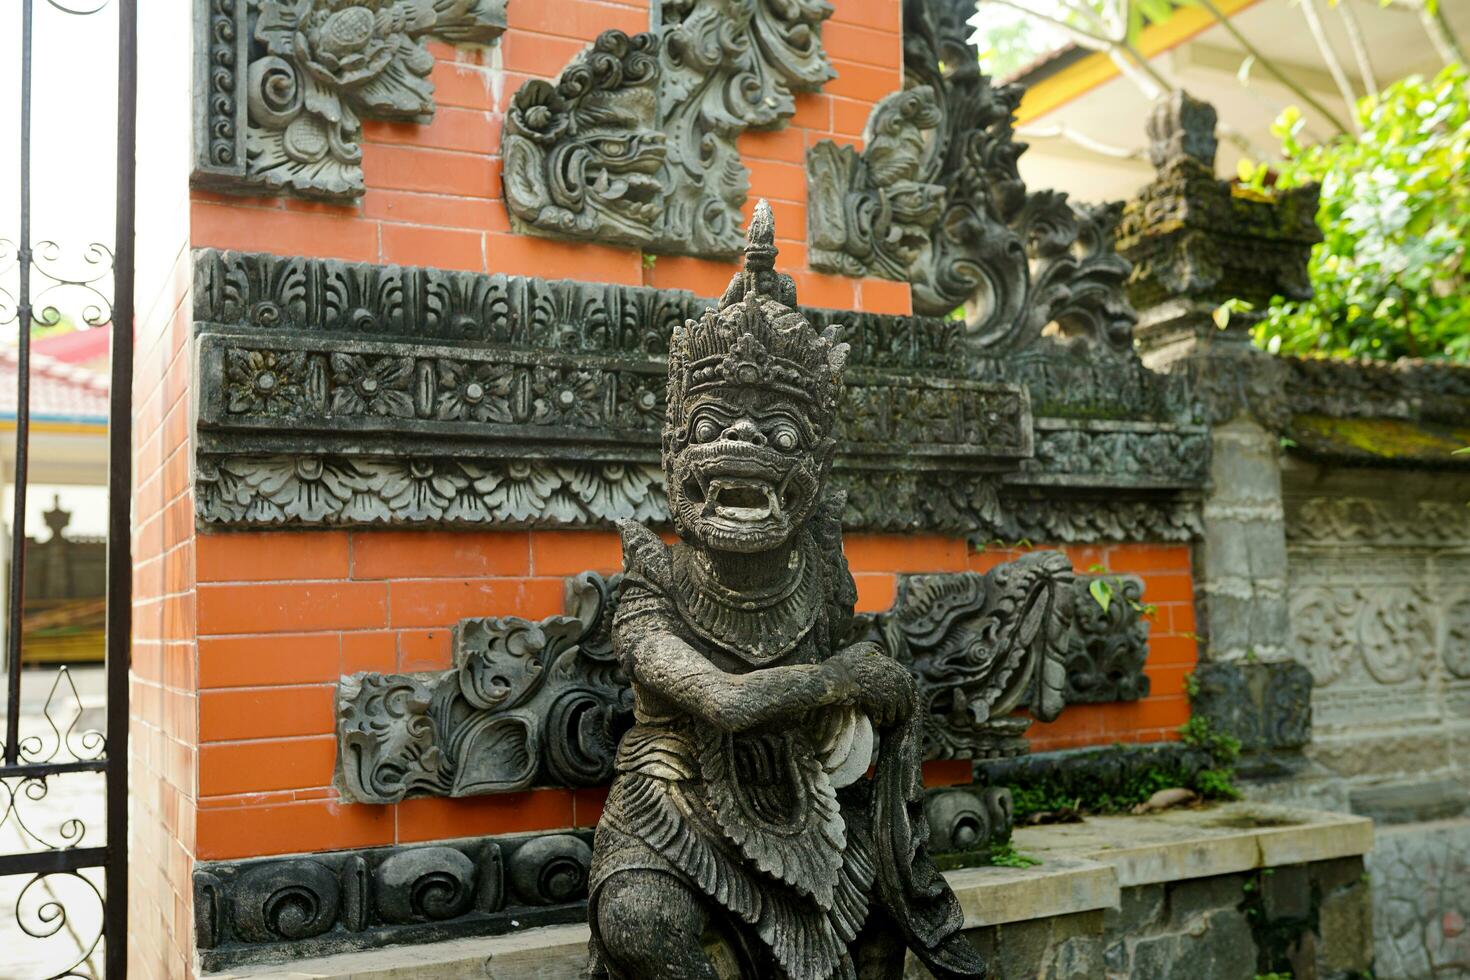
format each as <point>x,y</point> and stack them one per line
<point>1078,79</point>
<point>67,428</point>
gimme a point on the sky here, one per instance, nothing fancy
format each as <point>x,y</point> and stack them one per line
<point>73,150</point>
<point>73,125</point>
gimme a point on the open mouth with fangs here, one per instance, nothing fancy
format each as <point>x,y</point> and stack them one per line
<point>742,501</point>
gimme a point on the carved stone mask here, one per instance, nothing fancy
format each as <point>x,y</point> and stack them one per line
<point>752,388</point>
<point>747,470</point>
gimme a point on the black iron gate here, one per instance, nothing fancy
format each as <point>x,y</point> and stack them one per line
<point>44,866</point>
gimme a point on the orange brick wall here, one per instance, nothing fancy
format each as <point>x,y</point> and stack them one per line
<point>282,615</point>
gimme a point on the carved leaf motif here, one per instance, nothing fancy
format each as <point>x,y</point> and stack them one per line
<point>1395,630</point>
<point>496,754</point>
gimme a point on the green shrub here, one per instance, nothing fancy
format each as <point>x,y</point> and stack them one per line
<point>1392,276</point>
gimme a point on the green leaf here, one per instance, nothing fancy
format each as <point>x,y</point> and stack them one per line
<point>1101,592</point>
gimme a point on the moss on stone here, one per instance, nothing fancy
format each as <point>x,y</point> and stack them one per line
<point>1385,439</point>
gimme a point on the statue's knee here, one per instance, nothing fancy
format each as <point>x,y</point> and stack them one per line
<point>642,914</point>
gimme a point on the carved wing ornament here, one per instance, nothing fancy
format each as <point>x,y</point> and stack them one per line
<point>526,702</point>
<point>935,199</point>
<point>531,703</point>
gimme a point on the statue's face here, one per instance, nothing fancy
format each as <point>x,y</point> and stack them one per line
<point>746,470</point>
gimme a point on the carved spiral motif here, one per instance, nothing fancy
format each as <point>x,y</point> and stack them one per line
<point>295,900</point>
<point>1395,629</point>
<point>551,870</point>
<point>294,913</point>
<point>427,884</point>
<point>275,92</point>
<point>438,895</point>
<point>580,744</point>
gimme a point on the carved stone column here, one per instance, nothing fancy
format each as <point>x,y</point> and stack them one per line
<point>1197,242</point>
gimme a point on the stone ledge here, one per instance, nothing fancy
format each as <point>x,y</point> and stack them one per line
<point>1084,867</point>
<point>1217,840</point>
<point>989,896</point>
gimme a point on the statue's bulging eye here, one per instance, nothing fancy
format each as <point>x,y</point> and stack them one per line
<point>785,437</point>
<point>706,430</point>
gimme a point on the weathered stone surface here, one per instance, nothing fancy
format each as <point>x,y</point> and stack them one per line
<point>1190,844</point>
<point>1214,945</point>
<point>283,87</point>
<point>1057,919</point>
<point>1389,650</point>
<point>1420,879</point>
<point>1267,706</point>
<point>1190,236</point>
<point>274,910</point>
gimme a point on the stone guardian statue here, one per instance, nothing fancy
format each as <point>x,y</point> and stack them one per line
<point>743,836</point>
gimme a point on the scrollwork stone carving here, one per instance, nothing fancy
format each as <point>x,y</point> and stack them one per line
<point>288,84</point>
<point>635,142</point>
<point>526,703</point>
<point>935,199</point>
<point>273,910</point>
<point>542,703</point>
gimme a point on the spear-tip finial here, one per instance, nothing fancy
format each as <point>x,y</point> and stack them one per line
<point>760,242</point>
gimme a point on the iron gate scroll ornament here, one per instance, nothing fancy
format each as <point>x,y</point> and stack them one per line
<point>62,864</point>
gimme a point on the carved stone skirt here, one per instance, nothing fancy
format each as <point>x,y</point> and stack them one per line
<point>796,892</point>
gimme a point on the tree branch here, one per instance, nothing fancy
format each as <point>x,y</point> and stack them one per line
<point>1359,45</point>
<point>1071,135</point>
<point>1271,67</point>
<point>1334,65</point>
<point>1446,45</point>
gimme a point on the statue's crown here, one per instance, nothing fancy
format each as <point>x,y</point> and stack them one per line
<point>757,338</point>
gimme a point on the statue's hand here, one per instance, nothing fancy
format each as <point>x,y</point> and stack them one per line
<point>882,687</point>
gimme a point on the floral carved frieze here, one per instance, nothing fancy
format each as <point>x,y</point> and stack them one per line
<point>634,142</point>
<point>286,84</point>
<point>358,386</point>
<point>543,703</point>
<point>269,910</point>
<point>335,393</point>
<point>935,199</point>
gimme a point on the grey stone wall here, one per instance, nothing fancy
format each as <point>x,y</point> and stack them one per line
<point>1421,900</point>
<point>1309,920</point>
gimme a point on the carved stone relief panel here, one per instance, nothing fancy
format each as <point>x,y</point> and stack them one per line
<point>284,85</point>
<point>1379,608</point>
<point>634,142</point>
<point>935,199</point>
<point>544,703</point>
